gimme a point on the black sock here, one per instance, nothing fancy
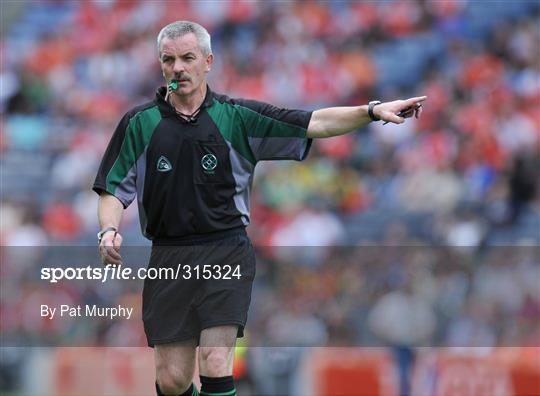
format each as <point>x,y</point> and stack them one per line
<point>191,391</point>
<point>217,386</point>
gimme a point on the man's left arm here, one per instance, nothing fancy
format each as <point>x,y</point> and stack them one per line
<point>335,121</point>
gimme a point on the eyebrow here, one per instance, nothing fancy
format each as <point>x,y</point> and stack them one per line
<point>164,56</point>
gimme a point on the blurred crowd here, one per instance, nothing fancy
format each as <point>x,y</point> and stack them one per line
<point>400,295</point>
<point>463,179</point>
<point>471,161</point>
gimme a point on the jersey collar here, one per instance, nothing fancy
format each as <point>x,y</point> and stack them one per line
<point>168,110</point>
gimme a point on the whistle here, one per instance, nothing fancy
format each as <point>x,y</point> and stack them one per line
<point>173,85</point>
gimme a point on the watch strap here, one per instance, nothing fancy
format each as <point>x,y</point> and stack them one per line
<point>105,230</point>
<point>371,105</point>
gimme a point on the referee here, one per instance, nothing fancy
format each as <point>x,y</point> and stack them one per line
<point>188,156</point>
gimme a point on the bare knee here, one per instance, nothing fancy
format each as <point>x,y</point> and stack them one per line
<point>171,381</point>
<point>175,364</point>
<point>216,361</point>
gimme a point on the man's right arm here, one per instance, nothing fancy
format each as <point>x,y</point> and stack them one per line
<point>110,211</point>
<point>115,185</point>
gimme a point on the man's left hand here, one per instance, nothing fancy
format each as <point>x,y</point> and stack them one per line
<point>398,110</point>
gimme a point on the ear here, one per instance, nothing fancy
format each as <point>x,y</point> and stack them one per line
<point>209,61</point>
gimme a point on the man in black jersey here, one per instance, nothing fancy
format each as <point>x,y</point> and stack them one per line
<point>188,157</point>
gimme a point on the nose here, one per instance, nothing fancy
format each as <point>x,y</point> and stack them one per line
<point>179,66</point>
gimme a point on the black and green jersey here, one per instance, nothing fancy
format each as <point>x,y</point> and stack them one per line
<point>194,177</point>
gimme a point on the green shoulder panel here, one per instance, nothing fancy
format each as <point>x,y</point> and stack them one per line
<point>231,127</point>
<point>140,129</point>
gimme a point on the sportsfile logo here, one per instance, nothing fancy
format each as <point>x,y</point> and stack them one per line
<point>109,272</point>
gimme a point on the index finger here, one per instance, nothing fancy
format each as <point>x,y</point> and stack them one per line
<point>417,99</point>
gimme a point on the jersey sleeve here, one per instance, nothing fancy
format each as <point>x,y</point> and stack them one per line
<point>274,133</point>
<point>117,172</point>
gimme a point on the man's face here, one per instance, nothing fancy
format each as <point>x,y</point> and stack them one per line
<point>182,60</point>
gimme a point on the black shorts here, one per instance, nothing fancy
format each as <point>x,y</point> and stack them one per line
<point>214,277</point>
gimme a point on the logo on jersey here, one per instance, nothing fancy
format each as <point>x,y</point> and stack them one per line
<point>163,164</point>
<point>209,163</point>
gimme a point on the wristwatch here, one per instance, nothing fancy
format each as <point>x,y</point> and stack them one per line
<point>371,105</point>
<point>102,232</point>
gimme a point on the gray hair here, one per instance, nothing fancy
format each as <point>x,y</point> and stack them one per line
<point>180,28</point>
